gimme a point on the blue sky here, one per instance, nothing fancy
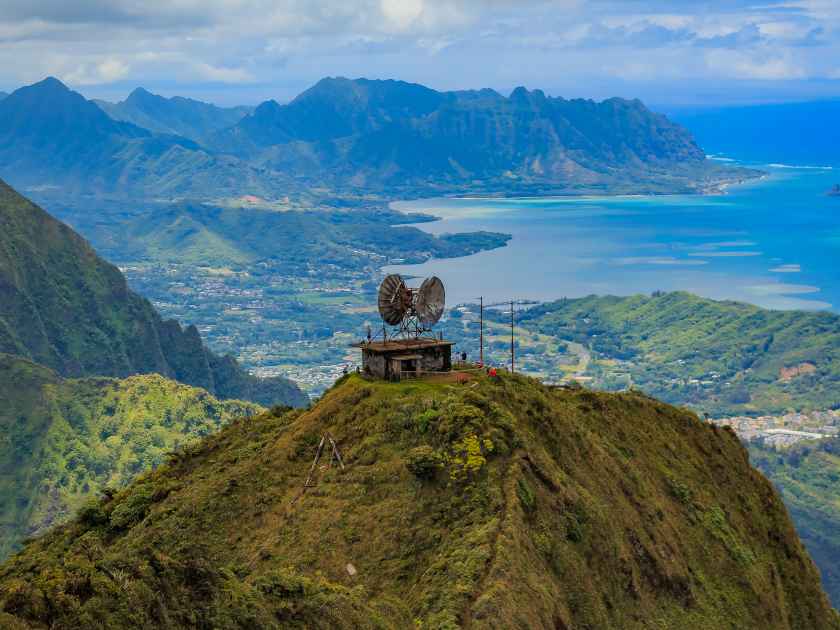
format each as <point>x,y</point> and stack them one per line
<point>246,51</point>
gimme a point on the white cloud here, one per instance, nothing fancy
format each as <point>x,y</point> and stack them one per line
<point>106,71</point>
<point>402,12</point>
<point>570,47</point>
<point>761,65</point>
<point>223,75</point>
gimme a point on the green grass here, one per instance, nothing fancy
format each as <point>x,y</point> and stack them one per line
<point>500,503</point>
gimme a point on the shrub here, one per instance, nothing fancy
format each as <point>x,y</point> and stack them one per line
<point>424,462</point>
<point>132,509</point>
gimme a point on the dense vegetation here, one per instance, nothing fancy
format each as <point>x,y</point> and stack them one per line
<point>500,503</point>
<point>64,307</point>
<point>807,476</point>
<point>348,136</point>
<point>64,441</point>
<point>719,357</point>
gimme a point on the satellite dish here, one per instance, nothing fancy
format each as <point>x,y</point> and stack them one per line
<point>430,301</point>
<point>394,299</point>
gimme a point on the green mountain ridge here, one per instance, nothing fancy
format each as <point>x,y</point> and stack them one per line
<point>500,503</point>
<point>67,309</point>
<point>211,235</point>
<point>175,116</point>
<point>65,441</point>
<point>719,357</point>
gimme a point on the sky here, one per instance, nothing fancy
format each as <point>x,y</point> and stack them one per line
<point>666,52</point>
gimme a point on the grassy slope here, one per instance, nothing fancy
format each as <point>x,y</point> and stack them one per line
<point>503,504</point>
<point>807,477</point>
<point>747,345</point>
<point>65,440</point>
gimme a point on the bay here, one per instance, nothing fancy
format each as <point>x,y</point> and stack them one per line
<point>774,242</point>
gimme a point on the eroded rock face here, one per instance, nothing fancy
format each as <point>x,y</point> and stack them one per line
<point>789,373</point>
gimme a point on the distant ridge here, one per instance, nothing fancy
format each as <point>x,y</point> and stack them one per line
<point>53,138</point>
<point>384,132</point>
<point>177,115</point>
<point>64,307</point>
<point>349,136</point>
<point>3,95</point>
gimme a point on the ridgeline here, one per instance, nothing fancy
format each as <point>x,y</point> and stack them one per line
<point>495,503</point>
<point>67,309</point>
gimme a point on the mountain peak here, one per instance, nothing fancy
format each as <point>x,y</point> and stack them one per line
<point>142,95</point>
<point>51,83</point>
<point>504,500</point>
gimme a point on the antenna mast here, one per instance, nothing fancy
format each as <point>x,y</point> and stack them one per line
<point>511,337</point>
<point>481,333</point>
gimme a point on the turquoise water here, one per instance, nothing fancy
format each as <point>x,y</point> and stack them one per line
<point>773,242</point>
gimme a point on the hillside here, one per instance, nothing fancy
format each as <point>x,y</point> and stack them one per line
<point>64,441</point>
<point>211,235</point>
<point>719,357</point>
<point>176,116</point>
<point>67,309</point>
<point>371,134</point>
<point>493,504</point>
<point>806,476</point>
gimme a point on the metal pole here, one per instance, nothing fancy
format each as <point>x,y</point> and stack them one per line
<point>511,337</point>
<point>481,334</point>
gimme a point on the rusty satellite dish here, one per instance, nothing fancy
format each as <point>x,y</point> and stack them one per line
<point>415,311</point>
<point>394,299</point>
<point>430,301</point>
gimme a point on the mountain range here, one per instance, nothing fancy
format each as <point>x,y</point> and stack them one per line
<point>348,136</point>
<point>378,133</point>
<point>175,116</point>
<point>502,503</point>
<point>53,138</point>
<point>67,309</point>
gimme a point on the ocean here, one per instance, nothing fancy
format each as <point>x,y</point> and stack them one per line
<point>774,242</point>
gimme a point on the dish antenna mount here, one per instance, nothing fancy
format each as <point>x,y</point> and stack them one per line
<point>415,311</point>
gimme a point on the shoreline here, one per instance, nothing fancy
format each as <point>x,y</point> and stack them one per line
<point>712,190</point>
